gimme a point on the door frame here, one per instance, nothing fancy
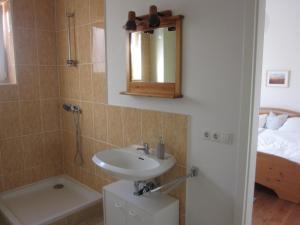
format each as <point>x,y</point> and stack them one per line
<point>254,22</point>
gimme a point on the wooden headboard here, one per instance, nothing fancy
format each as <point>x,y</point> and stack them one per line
<point>279,111</point>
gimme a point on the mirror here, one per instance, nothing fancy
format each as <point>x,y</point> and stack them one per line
<point>153,55</point>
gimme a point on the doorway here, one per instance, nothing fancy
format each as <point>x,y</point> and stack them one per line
<point>275,161</point>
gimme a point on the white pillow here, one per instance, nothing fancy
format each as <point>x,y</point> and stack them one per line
<point>262,120</point>
<point>274,121</point>
<point>292,124</point>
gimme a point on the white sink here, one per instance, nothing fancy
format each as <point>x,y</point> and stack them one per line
<point>130,164</point>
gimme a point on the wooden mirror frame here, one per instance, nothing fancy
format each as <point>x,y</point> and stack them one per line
<point>152,89</point>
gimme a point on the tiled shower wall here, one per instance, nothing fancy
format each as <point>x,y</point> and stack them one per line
<point>29,114</point>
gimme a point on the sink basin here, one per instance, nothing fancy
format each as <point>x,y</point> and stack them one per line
<point>130,164</point>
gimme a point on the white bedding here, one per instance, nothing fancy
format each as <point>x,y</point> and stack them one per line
<point>280,143</point>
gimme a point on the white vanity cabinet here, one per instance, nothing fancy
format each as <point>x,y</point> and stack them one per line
<point>121,207</point>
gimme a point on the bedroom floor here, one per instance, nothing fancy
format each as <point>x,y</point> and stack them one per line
<point>268,209</point>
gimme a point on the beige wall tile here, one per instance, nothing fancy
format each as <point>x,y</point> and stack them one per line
<point>115,126</point>
<point>82,12</point>
<point>86,82</point>
<point>24,12</point>
<point>61,47</point>
<point>69,147</point>
<point>53,169</point>
<point>100,88</point>
<point>69,82</point>
<point>28,78</point>
<point>33,150</point>
<point>53,148</point>
<point>8,93</point>
<point>11,156</point>
<point>2,186</point>
<point>14,180</point>
<point>50,114</point>
<point>60,13</point>
<point>88,178</point>
<point>30,113</point>
<point>98,184</point>
<point>46,47</point>
<point>84,43</point>
<point>88,150</point>
<point>87,119</point>
<point>49,84</point>
<point>151,127</point>
<point>77,172</point>
<point>100,122</point>
<point>97,10</point>
<point>100,146</point>
<point>1,171</point>
<point>45,14</point>
<point>34,174</point>
<point>9,120</point>
<point>132,126</point>
<point>175,135</point>
<point>25,46</point>
<point>68,168</point>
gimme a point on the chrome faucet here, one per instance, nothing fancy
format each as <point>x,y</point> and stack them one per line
<point>145,148</point>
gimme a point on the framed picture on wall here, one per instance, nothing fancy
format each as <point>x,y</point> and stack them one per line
<point>278,78</point>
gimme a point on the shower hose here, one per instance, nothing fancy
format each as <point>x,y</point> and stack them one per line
<point>78,159</point>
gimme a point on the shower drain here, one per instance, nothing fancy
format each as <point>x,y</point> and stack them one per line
<point>58,186</point>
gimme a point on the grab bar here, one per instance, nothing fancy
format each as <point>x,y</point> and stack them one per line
<point>70,61</point>
<point>170,186</point>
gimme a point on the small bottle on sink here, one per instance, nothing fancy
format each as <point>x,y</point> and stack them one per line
<point>160,150</point>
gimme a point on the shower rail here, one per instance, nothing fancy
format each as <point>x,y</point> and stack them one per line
<point>70,61</point>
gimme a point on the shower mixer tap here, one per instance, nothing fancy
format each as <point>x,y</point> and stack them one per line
<point>71,108</point>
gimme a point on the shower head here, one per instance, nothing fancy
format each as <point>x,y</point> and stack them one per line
<point>71,108</point>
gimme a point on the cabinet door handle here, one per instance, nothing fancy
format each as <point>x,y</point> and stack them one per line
<point>118,205</point>
<point>132,213</point>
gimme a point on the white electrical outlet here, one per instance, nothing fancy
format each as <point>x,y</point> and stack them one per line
<point>216,137</point>
<point>206,135</point>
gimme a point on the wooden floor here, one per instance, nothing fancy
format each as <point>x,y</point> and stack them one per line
<point>268,209</point>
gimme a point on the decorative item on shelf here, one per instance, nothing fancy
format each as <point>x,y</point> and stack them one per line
<point>154,20</point>
<point>147,22</point>
<point>154,43</point>
<point>131,24</point>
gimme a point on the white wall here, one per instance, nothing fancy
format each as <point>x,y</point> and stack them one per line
<point>213,38</point>
<point>282,51</point>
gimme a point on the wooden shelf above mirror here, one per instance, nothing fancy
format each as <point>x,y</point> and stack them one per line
<point>154,55</point>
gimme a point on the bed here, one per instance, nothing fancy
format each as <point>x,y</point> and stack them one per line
<point>278,159</point>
